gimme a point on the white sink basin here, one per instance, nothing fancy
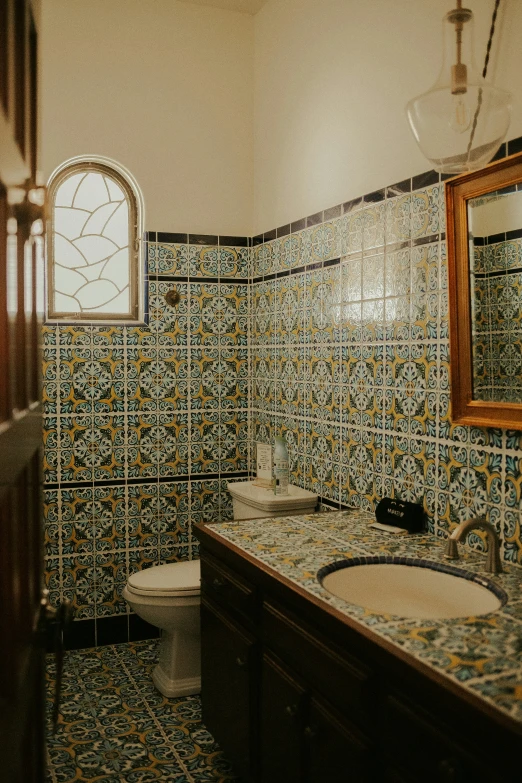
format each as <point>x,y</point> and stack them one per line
<point>412,590</point>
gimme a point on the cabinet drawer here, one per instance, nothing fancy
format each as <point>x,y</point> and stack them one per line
<point>344,680</point>
<point>221,584</point>
<point>412,742</point>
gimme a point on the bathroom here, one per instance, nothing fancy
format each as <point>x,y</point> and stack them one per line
<point>291,280</point>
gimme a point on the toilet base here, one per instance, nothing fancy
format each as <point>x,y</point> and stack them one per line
<point>178,672</point>
<point>171,688</point>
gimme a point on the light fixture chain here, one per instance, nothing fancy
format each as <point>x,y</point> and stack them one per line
<point>484,73</point>
<point>490,40</point>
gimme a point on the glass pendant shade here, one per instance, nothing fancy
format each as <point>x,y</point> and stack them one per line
<point>461,122</point>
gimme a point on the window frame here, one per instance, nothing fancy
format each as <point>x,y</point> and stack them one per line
<point>130,187</point>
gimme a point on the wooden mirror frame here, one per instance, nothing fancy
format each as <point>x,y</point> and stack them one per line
<point>466,410</point>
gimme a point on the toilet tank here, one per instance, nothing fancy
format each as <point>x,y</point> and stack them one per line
<point>251,502</point>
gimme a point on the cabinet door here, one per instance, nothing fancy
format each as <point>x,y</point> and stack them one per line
<point>282,723</point>
<point>336,751</point>
<point>229,670</point>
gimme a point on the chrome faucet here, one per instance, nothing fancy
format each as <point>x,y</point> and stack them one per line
<point>493,564</point>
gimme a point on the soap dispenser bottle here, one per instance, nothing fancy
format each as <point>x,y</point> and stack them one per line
<point>280,467</point>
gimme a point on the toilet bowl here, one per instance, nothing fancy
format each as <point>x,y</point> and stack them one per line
<point>168,596</point>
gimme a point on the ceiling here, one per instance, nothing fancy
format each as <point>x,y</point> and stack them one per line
<point>246,6</point>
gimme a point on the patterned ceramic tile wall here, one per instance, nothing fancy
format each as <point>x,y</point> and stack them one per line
<point>350,362</point>
<point>497,316</point>
<point>144,425</point>
<point>332,331</point>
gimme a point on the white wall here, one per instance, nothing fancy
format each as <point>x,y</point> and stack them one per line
<point>166,89</point>
<point>332,78</point>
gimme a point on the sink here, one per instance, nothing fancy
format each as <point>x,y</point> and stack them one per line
<point>411,587</point>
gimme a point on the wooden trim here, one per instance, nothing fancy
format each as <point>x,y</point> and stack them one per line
<point>20,83</point>
<point>22,346</point>
<point>4,56</point>
<point>466,410</point>
<point>5,401</point>
<point>33,97</point>
<point>286,590</point>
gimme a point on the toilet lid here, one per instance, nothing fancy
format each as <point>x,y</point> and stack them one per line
<point>169,579</point>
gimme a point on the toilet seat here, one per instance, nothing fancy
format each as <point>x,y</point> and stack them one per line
<point>172,579</point>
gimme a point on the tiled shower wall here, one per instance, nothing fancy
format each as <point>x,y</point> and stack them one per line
<point>144,425</point>
<point>350,362</point>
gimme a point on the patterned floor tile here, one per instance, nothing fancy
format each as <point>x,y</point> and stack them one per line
<point>114,727</point>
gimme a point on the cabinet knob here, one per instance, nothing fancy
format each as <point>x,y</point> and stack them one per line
<point>218,582</point>
<point>310,733</point>
<point>449,771</point>
<point>291,709</point>
<point>241,662</point>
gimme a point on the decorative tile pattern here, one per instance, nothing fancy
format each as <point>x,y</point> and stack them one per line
<point>114,726</point>
<point>481,654</point>
<point>134,414</point>
<point>350,337</point>
<point>333,333</point>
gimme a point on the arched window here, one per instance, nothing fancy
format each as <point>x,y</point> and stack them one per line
<point>95,270</point>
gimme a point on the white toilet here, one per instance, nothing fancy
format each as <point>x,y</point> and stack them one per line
<point>253,502</point>
<point>168,596</point>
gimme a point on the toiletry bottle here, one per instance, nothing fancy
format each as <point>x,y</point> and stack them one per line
<point>280,467</point>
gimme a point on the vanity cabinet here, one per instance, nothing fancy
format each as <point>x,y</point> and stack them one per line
<point>303,738</point>
<point>296,693</point>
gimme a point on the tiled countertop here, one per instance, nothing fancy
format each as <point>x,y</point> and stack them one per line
<point>482,654</point>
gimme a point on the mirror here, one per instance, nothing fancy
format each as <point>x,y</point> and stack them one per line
<point>484,242</point>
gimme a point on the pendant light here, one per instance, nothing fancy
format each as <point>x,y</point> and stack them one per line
<point>461,122</point>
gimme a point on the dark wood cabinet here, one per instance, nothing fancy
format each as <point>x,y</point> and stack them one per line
<point>283,703</point>
<point>294,694</point>
<point>303,738</point>
<point>336,750</point>
<point>229,674</point>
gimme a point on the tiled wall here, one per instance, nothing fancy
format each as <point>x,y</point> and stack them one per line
<point>144,425</point>
<point>350,362</point>
<point>497,338</point>
<point>332,331</point>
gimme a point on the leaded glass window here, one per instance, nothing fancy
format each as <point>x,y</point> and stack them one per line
<point>94,244</point>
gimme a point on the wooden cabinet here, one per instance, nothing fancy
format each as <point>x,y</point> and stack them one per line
<point>303,738</point>
<point>283,702</point>
<point>229,674</point>
<point>294,695</point>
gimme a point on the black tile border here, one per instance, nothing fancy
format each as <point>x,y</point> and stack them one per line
<point>498,273</point>
<point>203,239</point>
<point>423,180</point>
<point>494,239</point>
<point>314,220</point>
<point>80,634</point>
<point>200,279</point>
<point>142,480</point>
<point>234,241</point>
<point>283,231</point>
<point>139,629</point>
<point>102,631</point>
<point>113,629</point>
<point>163,236</point>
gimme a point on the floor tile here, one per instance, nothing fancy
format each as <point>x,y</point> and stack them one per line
<point>114,727</point>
